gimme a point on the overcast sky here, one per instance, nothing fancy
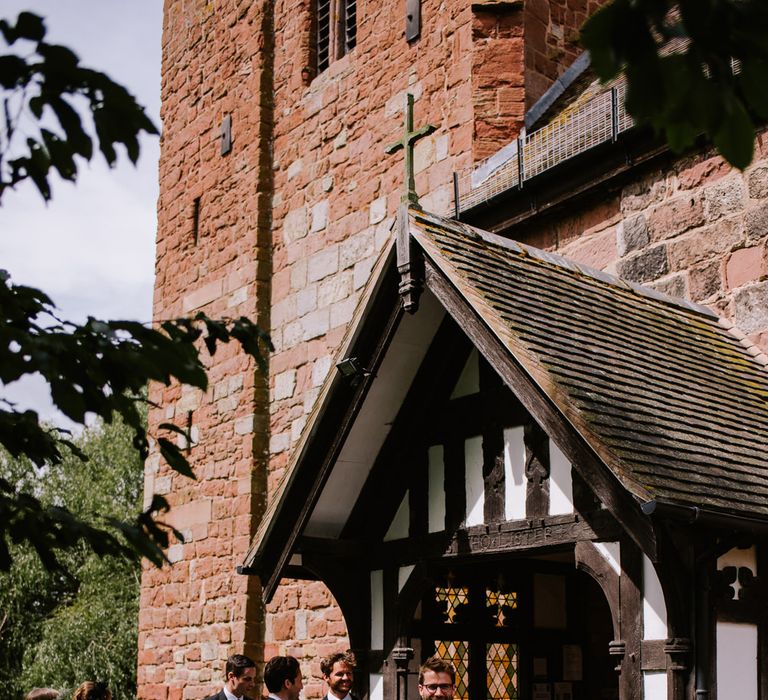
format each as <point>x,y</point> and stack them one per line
<point>92,247</point>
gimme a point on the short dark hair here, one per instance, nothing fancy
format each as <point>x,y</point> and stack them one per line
<point>438,665</point>
<point>237,664</point>
<point>278,670</point>
<point>326,664</point>
<point>42,694</point>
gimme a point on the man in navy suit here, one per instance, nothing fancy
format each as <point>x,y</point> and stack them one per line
<point>282,676</point>
<point>338,671</point>
<point>240,678</point>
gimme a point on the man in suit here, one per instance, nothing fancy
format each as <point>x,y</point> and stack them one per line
<point>437,679</point>
<point>282,676</point>
<point>240,678</point>
<point>338,672</point>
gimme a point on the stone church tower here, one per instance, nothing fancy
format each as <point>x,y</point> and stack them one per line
<point>276,197</point>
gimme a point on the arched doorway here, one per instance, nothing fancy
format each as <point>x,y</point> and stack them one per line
<point>519,629</point>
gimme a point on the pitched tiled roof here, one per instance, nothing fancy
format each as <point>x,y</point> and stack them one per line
<point>672,401</point>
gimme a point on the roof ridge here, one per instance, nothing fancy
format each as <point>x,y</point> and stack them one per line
<point>566,263</point>
<point>743,339</point>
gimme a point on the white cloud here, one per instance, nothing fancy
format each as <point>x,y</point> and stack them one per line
<point>92,248</point>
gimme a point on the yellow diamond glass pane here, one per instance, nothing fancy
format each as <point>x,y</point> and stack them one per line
<point>458,653</point>
<point>501,671</point>
<point>500,601</point>
<point>453,598</point>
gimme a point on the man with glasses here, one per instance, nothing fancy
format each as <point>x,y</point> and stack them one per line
<point>437,679</point>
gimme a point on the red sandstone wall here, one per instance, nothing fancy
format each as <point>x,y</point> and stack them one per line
<point>336,194</point>
<point>697,229</point>
<point>196,612</point>
<point>498,76</point>
<point>552,41</point>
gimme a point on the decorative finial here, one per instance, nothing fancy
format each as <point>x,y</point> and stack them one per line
<point>406,143</point>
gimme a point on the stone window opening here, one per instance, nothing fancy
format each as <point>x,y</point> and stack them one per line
<point>336,30</point>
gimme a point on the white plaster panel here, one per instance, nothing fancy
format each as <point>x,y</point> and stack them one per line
<point>473,480</point>
<point>736,661</point>
<point>654,609</point>
<point>436,498</point>
<point>611,552</point>
<point>654,685</point>
<point>469,380</point>
<point>374,421</point>
<point>402,576</point>
<point>560,482</point>
<point>377,609</point>
<point>398,529</point>
<point>514,473</point>
<point>739,558</point>
<point>376,686</point>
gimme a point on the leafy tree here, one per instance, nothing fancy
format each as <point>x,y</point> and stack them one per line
<point>714,86</point>
<point>99,367</point>
<point>61,628</point>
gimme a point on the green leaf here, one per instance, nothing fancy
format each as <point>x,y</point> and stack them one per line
<point>755,86</point>
<point>176,461</point>
<point>735,136</point>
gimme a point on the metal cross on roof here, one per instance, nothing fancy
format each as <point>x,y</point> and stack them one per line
<point>406,143</point>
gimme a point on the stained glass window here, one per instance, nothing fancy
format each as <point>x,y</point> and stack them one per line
<point>501,605</point>
<point>454,601</point>
<point>482,612</point>
<point>458,653</point>
<point>501,661</point>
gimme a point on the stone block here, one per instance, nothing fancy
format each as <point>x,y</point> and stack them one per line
<point>423,154</point>
<point>315,324</point>
<point>202,296</point>
<point>333,289</point>
<point>362,272</point>
<point>595,251</point>
<point>341,140</point>
<point>639,195</point>
<point>306,300</point>
<point>323,263</point>
<point>295,225</point>
<point>756,223</point>
<point>757,182</point>
<point>319,216</point>
<point>674,285</point>
<point>296,427</point>
<point>298,274</point>
<point>342,312</point>
<point>724,197</point>
<point>705,243</point>
<point>632,234</point>
<point>749,307</point>
<point>377,210</point>
<point>675,216</point>
<point>285,384</point>
<point>744,265</point>
<point>244,425</point>
<point>320,370</point>
<point>295,168</point>
<point>650,264</point>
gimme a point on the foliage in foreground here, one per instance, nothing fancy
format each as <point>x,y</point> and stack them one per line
<point>58,629</point>
<point>696,91</point>
<point>98,367</point>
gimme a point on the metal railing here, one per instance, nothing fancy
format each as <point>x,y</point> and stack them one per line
<point>602,118</point>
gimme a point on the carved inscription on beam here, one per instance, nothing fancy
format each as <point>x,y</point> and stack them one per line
<point>543,533</point>
<point>506,537</point>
